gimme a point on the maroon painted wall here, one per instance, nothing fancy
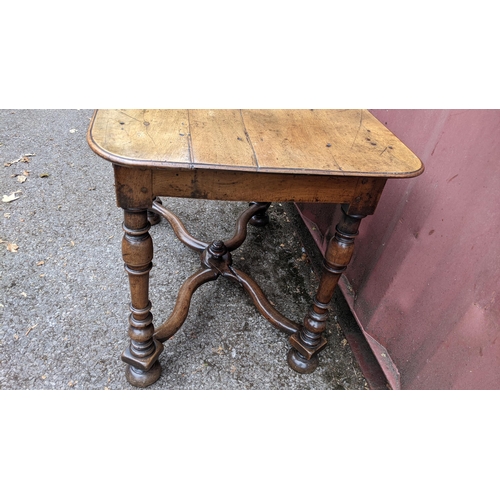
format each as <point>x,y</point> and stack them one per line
<point>424,280</point>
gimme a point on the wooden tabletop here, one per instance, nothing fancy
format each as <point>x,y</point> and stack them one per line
<point>305,141</point>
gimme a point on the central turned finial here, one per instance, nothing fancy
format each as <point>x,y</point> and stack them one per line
<point>217,249</point>
<point>216,256</point>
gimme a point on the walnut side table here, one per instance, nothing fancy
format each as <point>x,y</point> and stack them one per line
<point>258,156</point>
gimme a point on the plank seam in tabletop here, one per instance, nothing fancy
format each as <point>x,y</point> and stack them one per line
<point>189,142</point>
<point>249,140</point>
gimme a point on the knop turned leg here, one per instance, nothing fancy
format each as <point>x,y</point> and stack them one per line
<point>303,356</point>
<point>142,354</point>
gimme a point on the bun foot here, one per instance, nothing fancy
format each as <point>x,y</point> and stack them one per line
<point>140,378</point>
<point>259,220</point>
<point>300,363</point>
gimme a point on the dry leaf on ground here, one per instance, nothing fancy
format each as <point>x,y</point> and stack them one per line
<point>29,329</point>
<point>23,159</point>
<point>219,350</point>
<point>11,247</point>
<point>7,198</point>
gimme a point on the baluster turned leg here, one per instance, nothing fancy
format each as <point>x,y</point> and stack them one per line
<point>143,351</point>
<point>303,356</point>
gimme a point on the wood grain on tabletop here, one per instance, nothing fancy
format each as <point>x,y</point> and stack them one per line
<point>320,141</point>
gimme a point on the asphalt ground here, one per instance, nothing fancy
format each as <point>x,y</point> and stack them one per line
<point>64,292</point>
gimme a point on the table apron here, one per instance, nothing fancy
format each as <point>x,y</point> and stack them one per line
<point>251,186</point>
<point>137,187</point>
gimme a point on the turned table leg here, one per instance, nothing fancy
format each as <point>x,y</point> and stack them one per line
<point>142,354</point>
<point>306,344</point>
